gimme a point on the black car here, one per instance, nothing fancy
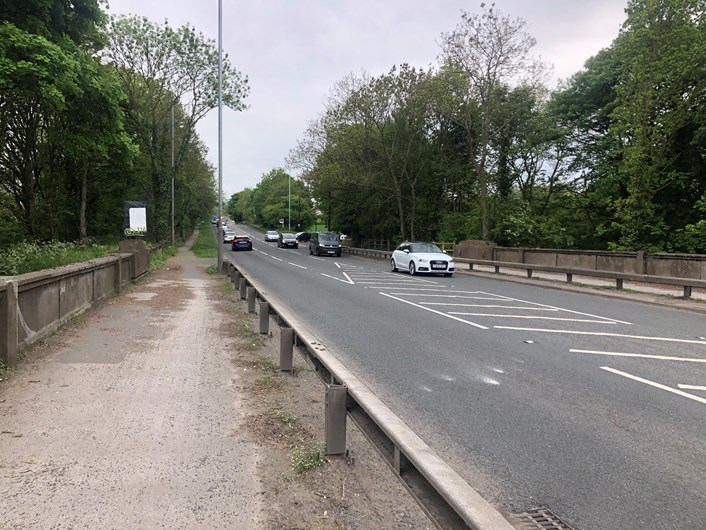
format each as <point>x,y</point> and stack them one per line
<point>303,236</point>
<point>326,243</point>
<point>287,240</point>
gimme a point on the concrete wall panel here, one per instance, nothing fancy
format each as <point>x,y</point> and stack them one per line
<point>76,293</point>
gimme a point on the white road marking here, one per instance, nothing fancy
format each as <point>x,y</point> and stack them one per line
<point>533,317</point>
<point>316,258</point>
<point>337,264</point>
<point>435,311</point>
<point>337,279</point>
<point>603,334</point>
<point>349,278</point>
<point>261,252</point>
<point>491,306</point>
<point>295,265</point>
<point>641,355</point>
<point>567,310</point>
<point>692,387</point>
<point>656,385</point>
<point>278,259</point>
<point>445,295</point>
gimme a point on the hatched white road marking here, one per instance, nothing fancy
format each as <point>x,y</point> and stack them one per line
<point>532,317</point>
<point>492,306</point>
<point>349,281</point>
<point>435,311</point>
<point>692,387</point>
<point>641,355</point>
<point>656,385</point>
<point>603,334</point>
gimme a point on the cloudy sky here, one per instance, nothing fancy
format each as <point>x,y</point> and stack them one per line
<point>293,51</point>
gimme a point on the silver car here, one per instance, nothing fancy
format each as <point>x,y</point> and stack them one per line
<point>271,235</point>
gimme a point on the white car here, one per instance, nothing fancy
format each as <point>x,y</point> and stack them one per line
<point>228,235</point>
<point>421,258</point>
<point>271,235</point>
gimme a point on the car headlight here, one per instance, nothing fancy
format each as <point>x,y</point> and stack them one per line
<point>422,260</point>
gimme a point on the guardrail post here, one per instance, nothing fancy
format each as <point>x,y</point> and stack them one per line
<point>243,286</point>
<point>470,266</point>
<point>687,291</point>
<point>529,273</point>
<point>335,419</point>
<point>224,267</point>
<point>497,269</point>
<point>264,318</point>
<point>236,279</point>
<point>8,325</point>
<point>569,277</point>
<point>251,299</point>
<point>400,461</point>
<point>229,269</point>
<point>619,284</point>
<point>286,348</point>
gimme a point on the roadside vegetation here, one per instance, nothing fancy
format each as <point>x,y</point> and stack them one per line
<point>29,256</point>
<point>205,245</point>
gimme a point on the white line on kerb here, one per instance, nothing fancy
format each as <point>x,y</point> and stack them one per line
<point>295,265</point>
<point>434,311</point>
<point>641,355</point>
<point>602,334</point>
<point>656,385</point>
<point>692,387</point>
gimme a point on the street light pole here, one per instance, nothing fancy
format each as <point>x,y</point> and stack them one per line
<point>220,134</point>
<point>289,181</point>
<point>173,175</point>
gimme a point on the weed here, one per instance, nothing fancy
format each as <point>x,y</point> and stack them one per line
<point>205,245</point>
<point>28,257</point>
<point>22,355</point>
<point>267,382</point>
<point>265,364</point>
<point>212,269</point>
<point>306,458</point>
<point>4,369</point>
<point>286,417</point>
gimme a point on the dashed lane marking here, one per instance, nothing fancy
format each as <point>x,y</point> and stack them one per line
<point>295,265</point>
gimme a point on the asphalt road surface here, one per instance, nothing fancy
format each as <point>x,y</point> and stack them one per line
<point>591,406</point>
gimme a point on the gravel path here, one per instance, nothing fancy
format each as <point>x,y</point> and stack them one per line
<point>128,418</point>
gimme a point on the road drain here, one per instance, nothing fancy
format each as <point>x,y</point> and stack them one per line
<point>540,518</point>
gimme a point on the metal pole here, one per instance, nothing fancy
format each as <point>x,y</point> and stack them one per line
<point>289,181</point>
<point>220,130</point>
<point>173,175</point>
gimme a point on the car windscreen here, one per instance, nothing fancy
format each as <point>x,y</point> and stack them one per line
<point>424,248</point>
<point>331,238</point>
<point>288,236</point>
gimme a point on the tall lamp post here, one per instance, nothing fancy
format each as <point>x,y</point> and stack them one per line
<point>289,181</point>
<point>220,133</point>
<point>173,175</point>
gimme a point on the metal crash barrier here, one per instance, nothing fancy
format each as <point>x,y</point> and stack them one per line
<point>448,500</point>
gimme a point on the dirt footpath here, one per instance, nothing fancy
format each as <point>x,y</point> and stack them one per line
<point>163,408</point>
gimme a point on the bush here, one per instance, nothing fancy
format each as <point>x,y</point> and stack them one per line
<point>29,257</point>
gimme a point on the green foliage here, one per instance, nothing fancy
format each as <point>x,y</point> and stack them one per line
<point>306,458</point>
<point>205,245</point>
<point>29,257</point>
<point>159,257</point>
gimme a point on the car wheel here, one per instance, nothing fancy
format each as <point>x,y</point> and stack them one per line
<point>296,246</point>
<point>393,266</point>
<point>338,255</point>
<point>412,268</point>
<point>448,274</point>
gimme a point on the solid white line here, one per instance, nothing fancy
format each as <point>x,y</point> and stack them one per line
<point>446,295</point>
<point>492,306</point>
<point>568,310</point>
<point>295,265</point>
<point>656,385</point>
<point>349,278</point>
<point>337,279</point>
<point>533,317</point>
<point>434,311</point>
<point>336,264</point>
<point>692,387</point>
<point>641,355</point>
<point>601,334</point>
<point>278,259</point>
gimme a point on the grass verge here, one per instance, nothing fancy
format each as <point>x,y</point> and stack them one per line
<point>205,245</point>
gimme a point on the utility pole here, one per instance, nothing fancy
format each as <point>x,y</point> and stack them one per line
<point>173,177</point>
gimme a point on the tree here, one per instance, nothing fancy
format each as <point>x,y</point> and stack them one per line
<point>162,68</point>
<point>491,51</point>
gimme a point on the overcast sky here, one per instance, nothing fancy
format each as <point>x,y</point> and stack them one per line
<point>293,51</point>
